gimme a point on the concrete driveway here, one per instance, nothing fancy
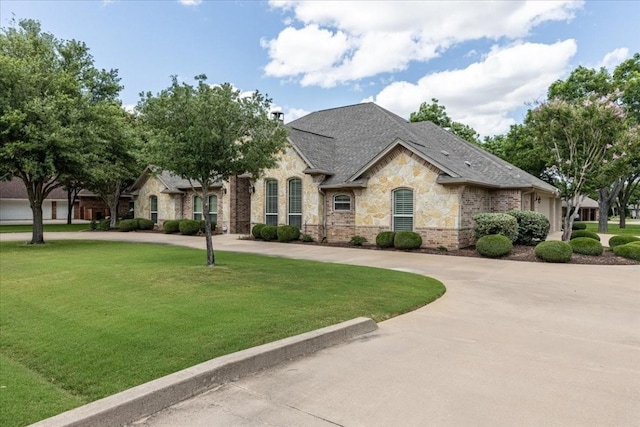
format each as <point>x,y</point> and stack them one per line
<point>509,344</point>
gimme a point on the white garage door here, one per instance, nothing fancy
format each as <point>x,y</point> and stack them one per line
<point>19,210</point>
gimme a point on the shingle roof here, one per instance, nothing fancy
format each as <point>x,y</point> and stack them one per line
<point>345,140</point>
<point>15,189</point>
<point>173,183</point>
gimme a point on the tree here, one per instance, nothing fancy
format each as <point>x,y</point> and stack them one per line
<point>437,114</point>
<point>208,134</point>
<point>580,137</point>
<point>115,164</point>
<point>49,88</point>
<point>519,147</point>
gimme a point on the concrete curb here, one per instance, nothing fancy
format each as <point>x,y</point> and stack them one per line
<point>146,399</point>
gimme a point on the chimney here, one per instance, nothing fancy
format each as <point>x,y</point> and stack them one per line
<point>277,115</point>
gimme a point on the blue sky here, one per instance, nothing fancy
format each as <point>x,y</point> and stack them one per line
<point>482,60</point>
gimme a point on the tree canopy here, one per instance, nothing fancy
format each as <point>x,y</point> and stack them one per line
<point>50,89</point>
<point>437,114</point>
<point>209,133</point>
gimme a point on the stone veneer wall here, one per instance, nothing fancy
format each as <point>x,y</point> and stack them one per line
<point>290,166</point>
<point>169,205</point>
<point>187,206</point>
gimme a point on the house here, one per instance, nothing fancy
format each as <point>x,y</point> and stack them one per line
<point>588,211</point>
<point>14,202</point>
<point>360,170</point>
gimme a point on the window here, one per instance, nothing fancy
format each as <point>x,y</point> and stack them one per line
<point>153,203</point>
<point>295,202</point>
<point>271,202</point>
<point>213,208</point>
<point>342,202</point>
<point>403,210</point>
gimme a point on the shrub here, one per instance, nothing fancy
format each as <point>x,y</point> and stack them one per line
<point>171,226</point>
<point>127,225</point>
<point>306,238</point>
<point>585,233</point>
<point>203,225</point>
<point>629,250</point>
<point>385,239</point>
<point>407,240</point>
<point>622,240</point>
<point>269,232</point>
<point>189,227</point>
<point>533,227</point>
<point>104,225</point>
<point>287,233</point>
<point>496,223</point>
<point>586,246</point>
<point>255,231</point>
<point>579,226</point>
<point>358,240</point>
<point>494,245</point>
<point>554,251</point>
<point>93,225</point>
<point>145,224</point>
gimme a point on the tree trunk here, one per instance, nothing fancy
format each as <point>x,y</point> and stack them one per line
<point>69,206</point>
<point>37,236</point>
<point>211,261</point>
<point>606,196</point>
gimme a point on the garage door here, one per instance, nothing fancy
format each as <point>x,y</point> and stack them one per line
<point>19,210</point>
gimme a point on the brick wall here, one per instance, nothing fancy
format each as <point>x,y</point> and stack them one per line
<point>340,224</point>
<point>506,200</point>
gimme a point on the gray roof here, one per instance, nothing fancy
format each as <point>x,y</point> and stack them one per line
<point>173,183</point>
<point>345,141</point>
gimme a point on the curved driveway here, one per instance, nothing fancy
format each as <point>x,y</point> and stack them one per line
<point>509,344</point>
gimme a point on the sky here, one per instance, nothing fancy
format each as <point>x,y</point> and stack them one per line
<point>485,61</point>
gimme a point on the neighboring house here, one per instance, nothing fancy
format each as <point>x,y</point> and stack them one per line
<point>91,207</point>
<point>360,170</point>
<point>14,202</point>
<point>588,211</point>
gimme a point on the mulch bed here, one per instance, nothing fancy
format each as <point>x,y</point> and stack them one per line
<point>519,253</point>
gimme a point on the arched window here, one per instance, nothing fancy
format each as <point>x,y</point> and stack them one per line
<point>271,202</point>
<point>342,202</point>
<point>153,208</point>
<point>213,208</point>
<point>295,202</point>
<point>403,210</point>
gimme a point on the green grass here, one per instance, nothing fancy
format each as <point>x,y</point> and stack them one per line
<point>27,228</point>
<point>83,320</point>
<point>630,229</point>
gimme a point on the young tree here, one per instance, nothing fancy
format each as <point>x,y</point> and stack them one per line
<point>49,88</point>
<point>437,114</point>
<point>580,137</point>
<point>209,133</point>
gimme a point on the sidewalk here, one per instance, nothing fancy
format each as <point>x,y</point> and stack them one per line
<point>510,343</point>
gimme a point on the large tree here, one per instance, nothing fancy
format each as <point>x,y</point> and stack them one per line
<point>437,114</point>
<point>49,89</point>
<point>581,137</point>
<point>209,133</point>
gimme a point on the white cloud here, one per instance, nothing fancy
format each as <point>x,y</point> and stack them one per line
<point>190,2</point>
<point>294,113</point>
<point>130,108</point>
<point>612,59</point>
<point>483,94</point>
<point>350,40</point>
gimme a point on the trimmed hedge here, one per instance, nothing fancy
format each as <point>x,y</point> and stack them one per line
<point>189,227</point>
<point>622,240</point>
<point>494,245</point>
<point>306,238</point>
<point>407,240</point>
<point>585,233</point>
<point>104,225</point>
<point>533,227</point>
<point>171,226</point>
<point>127,225</point>
<point>554,251</point>
<point>495,223</point>
<point>586,246</point>
<point>579,226</point>
<point>287,233</point>
<point>385,239</point>
<point>358,241</point>
<point>629,250</point>
<point>144,224</point>
<point>255,231</point>
<point>269,232</point>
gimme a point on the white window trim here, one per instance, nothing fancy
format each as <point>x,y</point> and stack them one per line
<point>395,215</point>
<point>335,208</point>
<point>268,214</point>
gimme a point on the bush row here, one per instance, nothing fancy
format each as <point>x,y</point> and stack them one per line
<point>282,233</point>
<point>628,250</point>
<point>405,240</point>
<point>187,227</point>
<point>127,225</point>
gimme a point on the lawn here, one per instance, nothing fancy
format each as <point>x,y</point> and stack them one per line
<point>80,320</point>
<point>630,229</point>
<point>28,228</point>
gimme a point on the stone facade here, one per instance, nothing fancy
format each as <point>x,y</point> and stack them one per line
<point>169,205</point>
